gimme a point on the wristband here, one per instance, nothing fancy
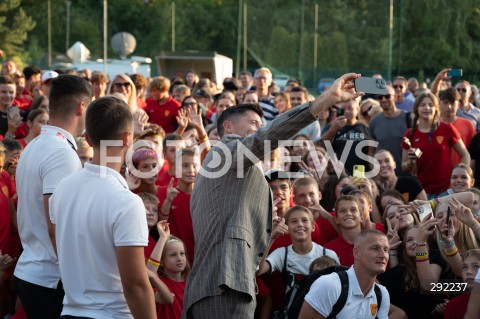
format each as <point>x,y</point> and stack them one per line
<point>432,204</point>
<point>421,255</point>
<point>422,260</point>
<point>10,136</point>
<point>448,244</point>
<point>452,253</point>
<point>153,262</point>
<point>203,140</point>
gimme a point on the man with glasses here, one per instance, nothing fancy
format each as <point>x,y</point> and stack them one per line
<point>388,127</point>
<point>466,109</point>
<point>400,87</point>
<point>262,80</point>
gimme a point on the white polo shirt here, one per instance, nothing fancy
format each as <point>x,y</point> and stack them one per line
<point>94,211</point>
<point>43,164</point>
<point>325,292</point>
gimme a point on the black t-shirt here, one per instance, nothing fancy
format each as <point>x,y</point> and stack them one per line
<point>474,150</point>
<point>416,304</point>
<point>356,133</point>
<point>408,185</point>
<point>3,123</point>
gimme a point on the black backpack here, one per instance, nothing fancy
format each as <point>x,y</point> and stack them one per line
<point>296,295</point>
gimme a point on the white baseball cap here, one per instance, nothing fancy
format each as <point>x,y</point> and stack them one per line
<point>48,76</point>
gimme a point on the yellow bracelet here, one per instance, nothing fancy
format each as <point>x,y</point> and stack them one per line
<point>452,253</point>
<point>153,262</point>
<point>432,204</point>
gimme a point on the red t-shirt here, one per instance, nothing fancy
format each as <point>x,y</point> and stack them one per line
<point>5,222</point>
<point>343,249</point>
<point>151,245</point>
<point>141,103</point>
<point>173,311</point>
<point>467,131</point>
<point>434,167</point>
<point>163,115</point>
<point>24,103</point>
<point>456,307</point>
<point>380,227</point>
<point>163,179</point>
<point>180,220</point>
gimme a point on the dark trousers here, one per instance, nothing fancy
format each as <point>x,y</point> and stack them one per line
<point>230,304</point>
<point>38,301</point>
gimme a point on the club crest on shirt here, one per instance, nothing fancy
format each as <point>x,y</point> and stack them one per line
<point>166,113</point>
<point>439,139</point>
<point>373,310</point>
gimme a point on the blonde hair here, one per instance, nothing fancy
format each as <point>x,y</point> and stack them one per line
<point>82,143</point>
<point>298,208</point>
<point>149,197</point>
<point>475,253</point>
<point>161,269</point>
<point>132,99</point>
<point>160,83</point>
<point>322,263</point>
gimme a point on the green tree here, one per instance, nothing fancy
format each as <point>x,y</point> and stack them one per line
<point>14,27</point>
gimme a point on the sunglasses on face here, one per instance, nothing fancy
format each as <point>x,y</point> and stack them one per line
<point>398,86</point>
<point>380,97</point>
<point>118,85</point>
<point>464,90</point>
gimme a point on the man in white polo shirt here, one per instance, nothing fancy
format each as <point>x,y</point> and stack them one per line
<point>100,226</point>
<point>43,164</point>
<point>371,259</point>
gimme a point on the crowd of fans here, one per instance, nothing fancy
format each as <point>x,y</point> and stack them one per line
<point>422,143</point>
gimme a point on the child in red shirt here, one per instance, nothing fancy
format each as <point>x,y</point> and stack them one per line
<point>171,144</point>
<point>170,260</point>
<point>175,199</point>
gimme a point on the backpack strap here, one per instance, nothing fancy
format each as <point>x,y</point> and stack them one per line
<point>342,299</point>
<point>287,276</point>
<point>378,295</point>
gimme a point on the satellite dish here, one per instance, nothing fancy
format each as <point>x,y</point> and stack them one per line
<point>123,43</point>
<point>78,52</point>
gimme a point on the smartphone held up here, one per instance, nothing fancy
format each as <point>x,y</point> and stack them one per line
<point>370,85</point>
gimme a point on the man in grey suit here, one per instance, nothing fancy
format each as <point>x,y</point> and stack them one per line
<point>231,205</point>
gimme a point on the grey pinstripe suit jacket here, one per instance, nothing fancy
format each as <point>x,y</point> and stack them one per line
<point>232,216</point>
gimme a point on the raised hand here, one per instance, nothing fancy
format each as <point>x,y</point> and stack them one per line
<point>463,213</point>
<point>194,115</point>
<point>425,228</point>
<point>280,229</point>
<point>392,235</point>
<point>172,192</point>
<point>343,88</point>
<point>182,119</point>
<point>163,229</point>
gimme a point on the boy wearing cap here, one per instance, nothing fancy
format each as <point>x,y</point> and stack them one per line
<point>46,78</point>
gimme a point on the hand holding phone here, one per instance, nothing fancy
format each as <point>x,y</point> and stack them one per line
<point>424,210</point>
<point>370,85</point>
<point>13,113</point>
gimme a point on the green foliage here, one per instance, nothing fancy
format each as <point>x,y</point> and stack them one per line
<point>14,27</point>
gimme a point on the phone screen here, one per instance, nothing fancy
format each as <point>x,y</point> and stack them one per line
<point>449,212</point>
<point>13,112</point>
<point>359,171</point>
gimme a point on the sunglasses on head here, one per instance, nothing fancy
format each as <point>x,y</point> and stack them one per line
<point>119,84</point>
<point>464,90</point>
<point>365,113</point>
<point>380,97</point>
<point>398,86</point>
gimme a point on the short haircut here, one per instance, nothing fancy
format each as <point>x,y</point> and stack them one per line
<point>475,191</point>
<point>11,145</point>
<point>37,102</point>
<point>186,151</point>
<point>5,79</point>
<point>152,130</point>
<point>266,70</point>
<point>66,91</point>
<point>149,197</point>
<point>301,89</point>
<point>475,253</point>
<point>298,208</point>
<point>160,83</point>
<point>138,80</point>
<point>107,118</point>
<point>247,73</point>
<point>322,263</point>
<point>30,71</point>
<point>363,194</point>
<point>345,198</point>
<point>400,78</point>
<point>98,77</point>
<point>225,95</point>
<point>32,115</point>
<point>305,181</point>
<point>233,113</point>
<point>143,154</point>
<point>450,94</point>
<point>367,232</point>
<point>182,89</point>
<point>170,137</point>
